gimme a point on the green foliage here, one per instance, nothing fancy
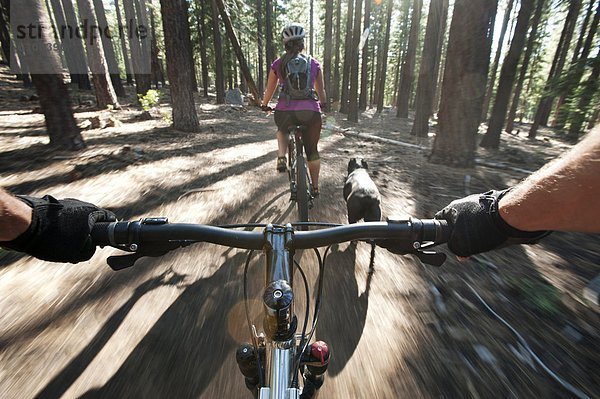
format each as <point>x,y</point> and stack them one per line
<point>149,100</point>
<point>539,295</point>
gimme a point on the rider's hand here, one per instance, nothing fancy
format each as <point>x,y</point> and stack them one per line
<point>59,230</point>
<point>478,227</point>
<point>266,108</point>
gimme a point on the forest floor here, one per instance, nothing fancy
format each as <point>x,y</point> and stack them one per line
<point>169,326</point>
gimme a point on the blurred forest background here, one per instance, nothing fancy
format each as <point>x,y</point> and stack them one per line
<point>167,124</point>
<point>463,62</point>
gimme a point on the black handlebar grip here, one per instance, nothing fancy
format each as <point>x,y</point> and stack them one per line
<point>100,234</point>
<point>443,231</point>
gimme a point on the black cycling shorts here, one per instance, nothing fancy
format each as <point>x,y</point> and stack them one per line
<point>310,119</point>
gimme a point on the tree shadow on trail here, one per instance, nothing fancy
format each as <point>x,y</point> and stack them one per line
<point>344,310</point>
<point>61,382</point>
<point>181,354</point>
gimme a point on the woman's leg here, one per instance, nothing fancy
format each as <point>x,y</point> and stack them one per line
<point>311,141</point>
<point>282,144</point>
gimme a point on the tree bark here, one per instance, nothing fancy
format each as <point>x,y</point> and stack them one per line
<point>507,77</point>
<point>327,53</point>
<point>408,66</point>
<point>465,75</point>
<point>347,58</point>
<point>239,53</point>
<point>83,80</point>
<point>109,51</point>
<point>492,79</point>
<point>364,79</point>
<point>354,73</point>
<point>405,19</point>
<point>52,91</point>
<point>66,43</point>
<point>156,66</point>
<point>201,22</point>
<point>219,70</point>
<point>576,72</point>
<point>105,93</point>
<point>311,26</point>
<point>141,65</point>
<point>432,47</point>
<point>591,86</point>
<point>335,90</point>
<point>384,56</point>
<point>178,49</point>
<point>260,46</point>
<point>123,37</point>
<point>269,35</point>
<point>545,106</point>
<point>537,16</point>
<point>576,52</point>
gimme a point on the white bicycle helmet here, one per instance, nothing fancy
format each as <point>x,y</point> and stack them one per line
<point>292,31</point>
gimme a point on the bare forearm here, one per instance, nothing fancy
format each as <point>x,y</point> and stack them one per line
<point>270,89</point>
<point>561,196</point>
<point>15,216</point>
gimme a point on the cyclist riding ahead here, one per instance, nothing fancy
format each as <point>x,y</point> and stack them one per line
<point>299,77</point>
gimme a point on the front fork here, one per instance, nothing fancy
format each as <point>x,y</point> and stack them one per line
<point>313,363</point>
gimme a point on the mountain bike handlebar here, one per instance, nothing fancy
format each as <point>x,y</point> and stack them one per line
<point>156,236</point>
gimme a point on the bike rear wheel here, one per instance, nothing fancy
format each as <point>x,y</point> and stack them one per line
<point>302,196</point>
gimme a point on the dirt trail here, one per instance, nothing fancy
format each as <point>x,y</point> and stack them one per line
<point>169,327</point>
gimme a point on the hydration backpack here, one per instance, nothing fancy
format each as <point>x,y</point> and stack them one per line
<point>296,85</point>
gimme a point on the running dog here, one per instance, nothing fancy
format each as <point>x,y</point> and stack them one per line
<point>363,200</point>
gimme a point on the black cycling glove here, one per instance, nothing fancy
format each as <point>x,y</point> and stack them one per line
<point>477,225</point>
<point>59,230</point>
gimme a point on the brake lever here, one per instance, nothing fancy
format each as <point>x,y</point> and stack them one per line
<point>121,262</point>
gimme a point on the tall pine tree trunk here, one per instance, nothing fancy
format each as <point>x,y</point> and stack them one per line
<point>217,43</point>
<point>576,52</point>
<point>537,16</point>
<point>260,46</point>
<point>141,65</point>
<point>465,76</point>
<point>52,91</point>
<point>109,51</point>
<point>335,91</point>
<point>327,53</point>
<point>496,63</point>
<point>347,58</point>
<point>156,66</point>
<point>67,44</point>
<point>574,76</point>
<point>545,106</point>
<point>384,56</point>
<point>507,77</point>
<point>238,52</point>
<point>123,37</point>
<point>79,55</point>
<point>178,49</point>
<point>354,73</point>
<point>407,74</point>
<point>364,79</point>
<point>591,86</point>
<point>436,26</point>
<point>105,93</point>
<point>201,22</point>
<point>270,48</point>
